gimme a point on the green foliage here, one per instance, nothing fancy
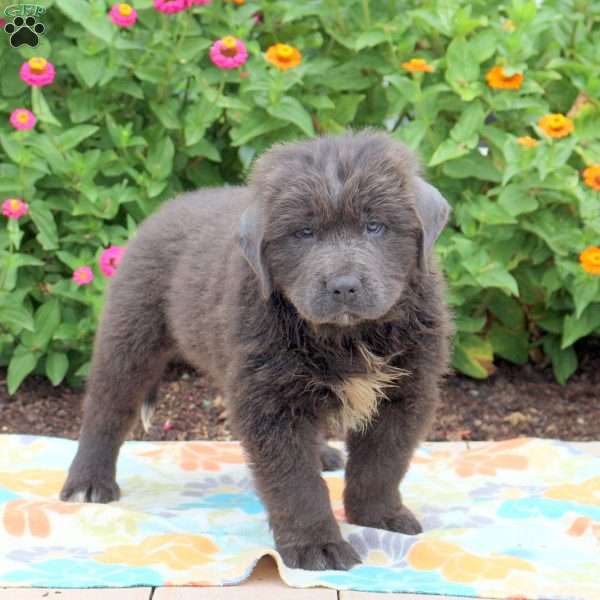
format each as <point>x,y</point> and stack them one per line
<point>136,116</point>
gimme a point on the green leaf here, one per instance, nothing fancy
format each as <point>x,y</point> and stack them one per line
<point>91,68</point>
<point>290,110</point>
<point>41,109</point>
<point>91,16</point>
<point>159,162</point>
<point>487,211</point>
<point>46,321</point>
<point>473,356</point>
<point>474,165</point>
<point>483,44</point>
<point>44,221</point>
<point>517,199</point>
<point>447,150</point>
<point>253,126</point>
<point>82,105</point>
<point>21,364</point>
<point>507,309</point>
<point>318,101</point>
<point>469,123</point>
<point>348,77</point>
<point>509,343</point>
<point>167,113</point>
<point>564,361</point>
<point>585,290</point>
<point>469,324</point>
<point>496,275</point>
<point>462,63</point>
<point>17,317</point>
<point>206,149</point>
<point>198,118</point>
<point>575,328</point>
<point>74,136</point>
<point>57,365</point>
<point>369,39</point>
<point>412,133</point>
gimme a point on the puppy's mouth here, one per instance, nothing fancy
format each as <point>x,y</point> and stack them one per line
<point>346,319</point>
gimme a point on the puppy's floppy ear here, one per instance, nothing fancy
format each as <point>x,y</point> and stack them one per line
<point>251,242</point>
<point>433,212</point>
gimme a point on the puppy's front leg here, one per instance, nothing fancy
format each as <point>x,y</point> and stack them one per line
<point>284,450</point>
<point>379,458</point>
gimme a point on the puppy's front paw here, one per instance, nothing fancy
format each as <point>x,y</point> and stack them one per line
<point>90,490</point>
<point>401,520</point>
<point>339,556</point>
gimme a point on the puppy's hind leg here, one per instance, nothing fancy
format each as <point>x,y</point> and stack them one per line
<point>131,349</point>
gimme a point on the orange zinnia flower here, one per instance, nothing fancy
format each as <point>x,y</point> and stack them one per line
<point>499,80</point>
<point>556,125</point>
<point>417,65</point>
<point>283,56</point>
<point>527,141</point>
<point>590,260</point>
<point>591,176</point>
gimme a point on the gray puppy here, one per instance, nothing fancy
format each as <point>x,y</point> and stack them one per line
<point>310,296</point>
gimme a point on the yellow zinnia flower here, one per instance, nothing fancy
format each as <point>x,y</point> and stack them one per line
<point>417,65</point>
<point>283,56</point>
<point>556,125</point>
<point>590,260</point>
<point>497,79</point>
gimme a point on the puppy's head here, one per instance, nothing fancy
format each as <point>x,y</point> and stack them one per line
<point>338,224</point>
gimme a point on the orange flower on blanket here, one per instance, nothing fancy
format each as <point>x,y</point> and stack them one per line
<point>192,456</point>
<point>581,525</point>
<point>556,125</point>
<point>46,482</point>
<point>586,492</point>
<point>497,78</point>
<point>22,516</point>
<point>175,550</point>
<point>459,566</point>
<point>488,459</point>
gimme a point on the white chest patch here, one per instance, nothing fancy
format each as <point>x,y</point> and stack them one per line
<point>360,394</point>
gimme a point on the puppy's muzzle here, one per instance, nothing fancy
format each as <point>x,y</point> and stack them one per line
<point>344,289</point>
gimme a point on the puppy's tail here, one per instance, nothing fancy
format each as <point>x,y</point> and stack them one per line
<point>148,407</point>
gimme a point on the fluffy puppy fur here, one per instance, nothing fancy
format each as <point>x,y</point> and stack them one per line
<point>309,296</point>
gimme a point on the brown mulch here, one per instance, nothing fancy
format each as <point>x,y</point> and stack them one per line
<point>514,401</point>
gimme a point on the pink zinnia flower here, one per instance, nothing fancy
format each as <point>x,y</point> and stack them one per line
<point>228,53</point>
<point>14,208</point>
<point>110,259</point>
<point>191,3</point>
<point>83,275</point>
<point>21,118</point>
<point>2,23</point>
<point>170,6</point>
<point>37,72</point>
<point>123,14</point>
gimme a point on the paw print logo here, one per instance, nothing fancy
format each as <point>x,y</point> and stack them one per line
<point>24,31</point>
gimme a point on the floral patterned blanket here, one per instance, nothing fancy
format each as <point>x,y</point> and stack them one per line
<point>519,518</point>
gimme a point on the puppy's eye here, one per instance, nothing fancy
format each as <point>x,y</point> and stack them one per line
<point>373,227</point>
<point>304,233</point>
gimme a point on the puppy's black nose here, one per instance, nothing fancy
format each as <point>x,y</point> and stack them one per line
<point>344,288</point>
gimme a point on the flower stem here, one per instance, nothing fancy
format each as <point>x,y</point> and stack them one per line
<point>366,13</point>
